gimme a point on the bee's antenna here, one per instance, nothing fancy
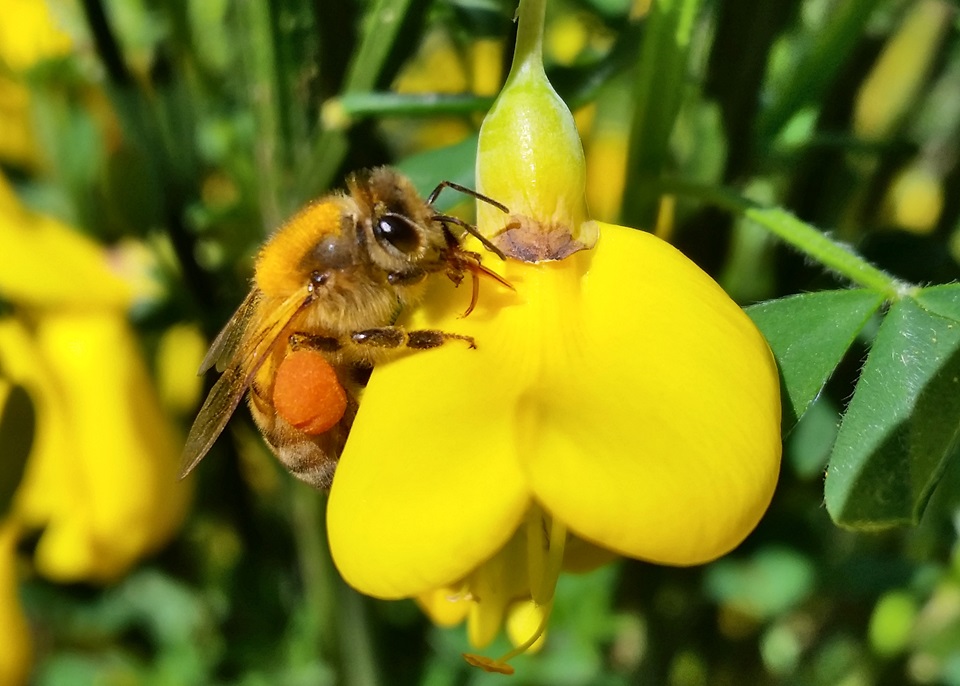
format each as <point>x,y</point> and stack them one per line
<point>466,191</point>
<point>472,230</point>
<point>469,228</point>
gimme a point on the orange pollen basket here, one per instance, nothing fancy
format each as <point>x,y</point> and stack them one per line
<point>307,393</point>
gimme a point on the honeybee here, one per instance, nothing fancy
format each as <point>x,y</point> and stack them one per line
<point>327,289</point>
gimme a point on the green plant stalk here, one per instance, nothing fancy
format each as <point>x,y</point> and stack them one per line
<point>355,106</point>
<point>530,18</point>
<point>265,103</point>
<point>381,28</point>
<point>806,238</point>
<point>338,631</point>
<point>358,665</point>
<point>658,92</point>
<point>316,570</point>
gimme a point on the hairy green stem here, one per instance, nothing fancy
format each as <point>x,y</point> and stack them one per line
<point>836,256</point>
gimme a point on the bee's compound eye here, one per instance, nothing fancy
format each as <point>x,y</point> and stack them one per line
<point>397,232</point>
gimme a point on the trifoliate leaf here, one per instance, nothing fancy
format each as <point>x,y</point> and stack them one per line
<point>809,335</point>
<point>903,422</point>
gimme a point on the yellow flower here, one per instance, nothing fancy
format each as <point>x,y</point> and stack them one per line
<point>618,403</point>
<point>28,35</point>
<point>100,479</point>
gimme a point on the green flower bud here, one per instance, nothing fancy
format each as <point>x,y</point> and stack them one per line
<point>531,160</point>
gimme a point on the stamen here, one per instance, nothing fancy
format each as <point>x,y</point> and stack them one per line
<point>544,560</point>
<point>526,645</point>
<point>537,550</point>
<point>487,664</point>
<point>546,539</point>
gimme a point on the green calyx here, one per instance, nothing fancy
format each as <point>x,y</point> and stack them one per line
<point>531,160</point>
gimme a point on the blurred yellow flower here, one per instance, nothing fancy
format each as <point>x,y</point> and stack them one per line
<point>902,69</point>
<point>179,354</point>
<point>436,68</point>
<point>914,200</point>
<point>28,35</point>
<point>617,403</point>
<point>100,482</point>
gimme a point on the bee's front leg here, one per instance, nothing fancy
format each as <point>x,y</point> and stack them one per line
<point>396,337</point>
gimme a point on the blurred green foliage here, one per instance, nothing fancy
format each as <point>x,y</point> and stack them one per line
<point>198,125</point>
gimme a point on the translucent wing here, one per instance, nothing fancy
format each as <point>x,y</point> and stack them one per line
<point>249,352</point>
<point>227,343</point>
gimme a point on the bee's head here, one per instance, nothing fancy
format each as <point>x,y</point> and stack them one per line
<point>396,230</point>
<point>382,233</point>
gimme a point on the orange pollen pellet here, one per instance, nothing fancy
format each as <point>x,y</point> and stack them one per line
<point>307,393</point>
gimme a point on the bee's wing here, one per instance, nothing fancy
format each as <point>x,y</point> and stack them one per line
<point>225,346</point>
<point>213,417</point>
<point>248,353</point>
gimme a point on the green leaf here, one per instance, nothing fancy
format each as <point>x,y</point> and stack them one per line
<point>809,335</point>
<point>941,300</point>
<point>903,422</point>
<point>17,428</point>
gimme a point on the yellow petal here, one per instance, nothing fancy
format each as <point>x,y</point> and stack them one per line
<point>47,264</point>
<point>580,556</point>
<point>109,494</point>
<point>445,606</point>
<point>30,35</point>
<point>46,470</point>
<point>428,486</point>
<point>524,619</point>
<point>653,429</point>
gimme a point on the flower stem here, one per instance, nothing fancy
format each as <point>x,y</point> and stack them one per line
<point>351,107</point>
<point>338,630</point>
<point>835,256</point>
<point>528,52</point>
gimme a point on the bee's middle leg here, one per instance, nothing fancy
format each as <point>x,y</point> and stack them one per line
<point>326,344</point>
<point>396,337</point>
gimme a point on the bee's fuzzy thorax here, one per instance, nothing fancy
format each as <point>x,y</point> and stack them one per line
<point>278,269</point>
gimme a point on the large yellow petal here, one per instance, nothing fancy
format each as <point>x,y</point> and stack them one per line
<point>108,495</point>
<point>653,428</point>
<point>47,264</point>
<point>429,485</point>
